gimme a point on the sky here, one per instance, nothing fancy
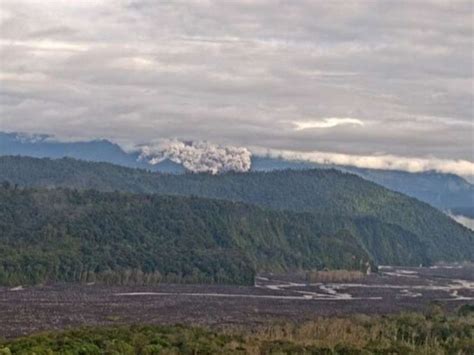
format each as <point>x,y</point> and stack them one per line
<point>385,84</point>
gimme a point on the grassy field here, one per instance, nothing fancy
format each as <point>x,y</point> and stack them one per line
<point>407,333</point>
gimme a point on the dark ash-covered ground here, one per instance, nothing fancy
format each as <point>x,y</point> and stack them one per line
<point>289,297</point>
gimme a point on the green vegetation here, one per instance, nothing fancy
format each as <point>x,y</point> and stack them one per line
<point>411,333</point>
<point>119,238</point>
<point>394,229</point>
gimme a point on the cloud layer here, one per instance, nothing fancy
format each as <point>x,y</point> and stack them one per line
<point>385,162</point>
<point>465,221</point>
<point>367,80</point>
<point>327,123</point>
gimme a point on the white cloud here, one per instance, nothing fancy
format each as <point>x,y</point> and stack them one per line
<point>327,123</point>
<point>388,162</point>
<point>465,221</point>
<point>45,45</point>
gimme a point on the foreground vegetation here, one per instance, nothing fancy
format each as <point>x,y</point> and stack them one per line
<point>411,333</point>
<point>124,239</point>
<point>393,228</point>
<point>324,276</point>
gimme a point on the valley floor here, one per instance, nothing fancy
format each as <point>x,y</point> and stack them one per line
<point>274,298</point>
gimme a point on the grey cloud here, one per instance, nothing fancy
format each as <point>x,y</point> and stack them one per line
<point>240,73</point>
<point>198,157</point>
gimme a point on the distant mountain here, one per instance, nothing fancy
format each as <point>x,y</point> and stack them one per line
<point>393,228</point>
<point>42,146</point>
<point>118,238</point>
<point>447,192</point>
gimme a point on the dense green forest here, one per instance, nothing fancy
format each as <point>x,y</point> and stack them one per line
<point>66,235</point>
<point>410,333</point>
<point>393,228</point>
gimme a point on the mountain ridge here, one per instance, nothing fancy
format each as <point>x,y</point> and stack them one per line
<point>347,199</point>
<point>444,191</point>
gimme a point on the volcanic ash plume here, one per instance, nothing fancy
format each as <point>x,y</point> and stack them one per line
<point>199,157</point>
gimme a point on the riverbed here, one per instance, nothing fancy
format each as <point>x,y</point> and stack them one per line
<point>289,297</point>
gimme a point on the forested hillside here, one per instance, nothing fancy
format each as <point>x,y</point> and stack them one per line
<point>441,190</point>
<point>393,228</point>
<point>64,235</point>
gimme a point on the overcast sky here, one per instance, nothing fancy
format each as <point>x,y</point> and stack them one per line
<point>333,79</point>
